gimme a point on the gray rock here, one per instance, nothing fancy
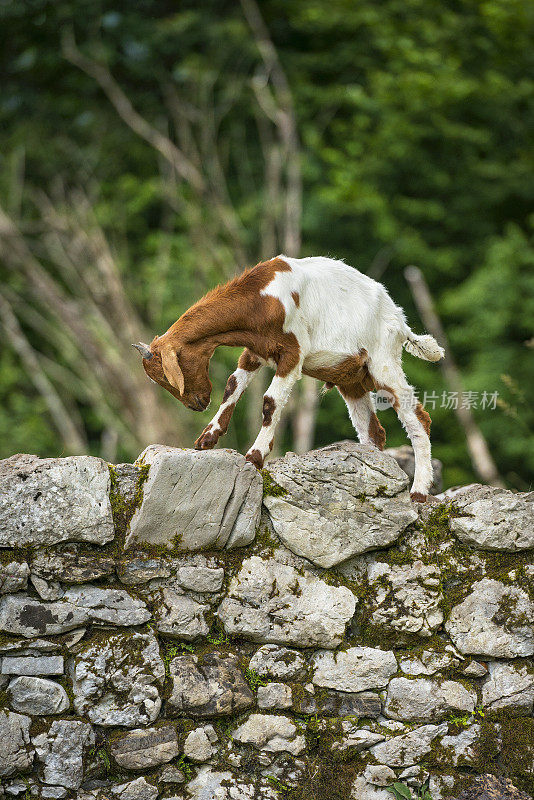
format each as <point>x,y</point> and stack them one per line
<point>409,748</point>
<point>272,661</point>
<point>211,686</point>
<point>272,602</point>
<point>115,680</point>
<point>199,744</point>
<point>171,774</point>
<point>71,565</point>
<point>200,579</point>
<point>115,606</point>
<point>355,669</point>
<point>347,736</point>
<point>51,500</point>
<point>178,615</point>
<point>404,456</point>
<point>494,620</point>
<point>495,519</point>
<point>509,685</point>
<point>37,696</point>
<point>196,500</point>
<point>461,748</point>
<point>405,598</point>
<point>145,748</point>
<point>329,703</point>
<point>61,752</point>
<point>210,784</point>
<point>135,571</point>
<point>475,670</point>
<point>423,700</point>
<point>47,590</point>
<point>270,733</point>
<point>379,775</point>
<point>32,665</point>
<point>274,695</point>
<point>14,577</point>
<point>361,790</point>
<point>16,752</point>
<point>25,616</point>
<point>139,789</point>
<point>341,500</point>
<point>428,663</point>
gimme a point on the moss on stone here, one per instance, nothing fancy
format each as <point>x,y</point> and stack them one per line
<point>270,487</point>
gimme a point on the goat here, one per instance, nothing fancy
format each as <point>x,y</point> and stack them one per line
<point>313,316</point>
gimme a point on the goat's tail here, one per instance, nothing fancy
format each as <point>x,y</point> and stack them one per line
<point>424,346</point>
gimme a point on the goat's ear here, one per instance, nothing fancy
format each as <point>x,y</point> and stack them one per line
<point>171,368</point>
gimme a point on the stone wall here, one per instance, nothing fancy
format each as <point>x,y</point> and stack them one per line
<point>181,628</point>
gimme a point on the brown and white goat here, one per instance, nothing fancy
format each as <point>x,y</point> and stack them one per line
<point>315,316</point>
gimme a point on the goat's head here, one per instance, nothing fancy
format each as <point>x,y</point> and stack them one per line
<point>181,369</point>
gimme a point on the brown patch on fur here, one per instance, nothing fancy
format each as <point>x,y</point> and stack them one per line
<point>417,497</point>
<point>207,439</point>
<point>271,445</point>
<point>396,404</point>
<point>233,314</point>
<point>231,386</point>
<point>268,410</point>
<point>226,416</point>
<point>351,376</point>
<point>256,458</point>
<point>296,298</point>
<point>423,417</point>
<point>377,433</point>
<point>248,361</point>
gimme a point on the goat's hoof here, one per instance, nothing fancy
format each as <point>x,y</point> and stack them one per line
<point>256,458</point>
<point>207,439</point>
<point>418,497</point>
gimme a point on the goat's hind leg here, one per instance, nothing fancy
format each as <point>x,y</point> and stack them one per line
<point>363,417</point>
<point>416,422</point>
<point>247,367</point>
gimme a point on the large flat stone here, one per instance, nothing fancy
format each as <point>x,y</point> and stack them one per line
<point>32,665</point>
<point>493,518</point>
<point>355,669</point>
<point>212,785</point>
<point>196,500</point>
<point>424,700</point>
<point>495,620</point>
<point>50,500</point>
<point>340,501</point>
<point>272,602</point>
<point>25,616</point>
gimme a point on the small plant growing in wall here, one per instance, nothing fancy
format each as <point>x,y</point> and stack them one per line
<point>402,792</point>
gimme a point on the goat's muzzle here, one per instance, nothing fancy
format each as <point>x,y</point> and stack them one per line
<point>144,349</point>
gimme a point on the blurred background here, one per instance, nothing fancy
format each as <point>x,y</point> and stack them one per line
<point>151,150</point>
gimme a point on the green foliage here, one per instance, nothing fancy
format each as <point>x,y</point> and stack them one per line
<point>402,792</point>
<point>253,679</point>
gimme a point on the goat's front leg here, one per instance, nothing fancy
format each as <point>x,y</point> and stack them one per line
<point>274,401</point>
<point>247,367</point>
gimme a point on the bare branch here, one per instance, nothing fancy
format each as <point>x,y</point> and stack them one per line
<point>478,448</point>
<point>72,436</point>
